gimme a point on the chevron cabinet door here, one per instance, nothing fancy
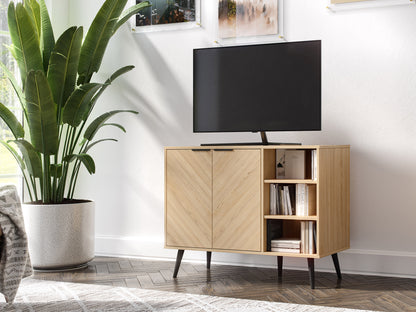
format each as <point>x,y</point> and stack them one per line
<point>236,200</point>
<point>188,207</point>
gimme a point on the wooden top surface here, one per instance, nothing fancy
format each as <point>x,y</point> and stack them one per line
<point>258,147</point>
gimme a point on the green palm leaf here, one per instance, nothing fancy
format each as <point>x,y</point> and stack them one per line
<point>33,9</point>
<point>85,159</point>
<point>56,170</point>
<point>11,121</point>
<point>115,125</point>
<point>47,38</point>
<point>97,38</point>
<point>124,17</point>
<point>98,141</point>
<point>100,121</point>
<point>108,82</point>
<point>25,40</point>
<point>31,158</point>
<point>15,86</point>
<point>41,113</point>
<point>79,103</point>
<point>62,72</point>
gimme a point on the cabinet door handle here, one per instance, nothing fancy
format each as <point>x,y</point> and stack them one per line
<point>223,150</point>
<point>200,150</point>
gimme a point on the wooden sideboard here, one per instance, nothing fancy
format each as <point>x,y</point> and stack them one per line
<point>217,199</point>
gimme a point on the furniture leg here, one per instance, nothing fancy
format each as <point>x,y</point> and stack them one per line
<point>336,264</point>
<point>311,266</point>
<point>178,262</point>
<point>279,266</point>
<point>209,253</point>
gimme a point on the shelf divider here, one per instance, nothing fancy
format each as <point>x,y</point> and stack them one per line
<point>284,217</point>
<point>291,181</point>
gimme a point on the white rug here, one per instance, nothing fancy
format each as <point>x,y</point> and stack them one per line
<point>35,295</point>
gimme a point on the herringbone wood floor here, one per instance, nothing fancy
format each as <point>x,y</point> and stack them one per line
<point>354,291</point>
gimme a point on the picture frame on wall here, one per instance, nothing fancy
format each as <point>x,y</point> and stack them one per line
<point>167,15</point>
<point>341,5</point>
<point>346,1</point>
<point>249,21</point>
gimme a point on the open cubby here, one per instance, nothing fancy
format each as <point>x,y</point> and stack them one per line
<point>302,196</point>
<point>297,164</point>
<point>302,230</point>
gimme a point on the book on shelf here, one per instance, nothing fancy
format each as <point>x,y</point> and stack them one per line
<point>290,164</point>
<point>287,250</point>
<point>308,237</point>
<point>290,245</point>
<point>313,165</point>
<point>303,236</point>
<point>286,243</point>
<point>273,199</point>
<point>283,202</point>
<point>288,204</point>
<point>278,201</point>
<point>305,199</point>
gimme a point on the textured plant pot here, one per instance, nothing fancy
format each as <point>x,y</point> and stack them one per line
<point>60,237</point>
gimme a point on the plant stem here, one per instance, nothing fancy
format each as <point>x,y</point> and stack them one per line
<point>28,186</point>
<point>46,179</point>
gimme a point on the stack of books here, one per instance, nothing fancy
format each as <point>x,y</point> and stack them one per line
<point>286,245</point>
<point>305,199</point>
<point>308,237</point>
<point>282,199</point>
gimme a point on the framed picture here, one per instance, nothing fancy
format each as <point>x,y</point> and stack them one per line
<point>250,20</point>
<point>167,15</point>
<point>346,1</point>
<point>339,5</point>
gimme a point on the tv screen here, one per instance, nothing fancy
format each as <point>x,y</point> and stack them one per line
<point>267,87</point>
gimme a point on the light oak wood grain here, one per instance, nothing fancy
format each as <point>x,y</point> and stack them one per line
<point>236,200</point>
<point>229,190</point>
<point>333,200</point>
<point>188,198</point>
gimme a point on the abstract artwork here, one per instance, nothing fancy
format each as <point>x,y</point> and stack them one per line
<point>245,18</point>
<point>166,12</point>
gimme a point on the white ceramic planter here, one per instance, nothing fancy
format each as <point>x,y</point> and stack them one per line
<point>61,236</point>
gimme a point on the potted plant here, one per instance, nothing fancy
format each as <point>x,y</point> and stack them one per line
<point>57,96</point>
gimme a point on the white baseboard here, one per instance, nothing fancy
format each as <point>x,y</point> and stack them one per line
<point>354,261</point>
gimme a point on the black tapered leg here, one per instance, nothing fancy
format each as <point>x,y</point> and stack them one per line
<point>311,266</point>
<point>209,253</point>
<point>279,265</point>
<point>178,262</point>
<point>336,264</point>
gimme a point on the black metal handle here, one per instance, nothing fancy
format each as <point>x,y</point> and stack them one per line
<point>223,150</point>
<point>200,150</point>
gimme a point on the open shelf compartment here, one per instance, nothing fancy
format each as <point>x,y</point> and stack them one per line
<point>291,237</point>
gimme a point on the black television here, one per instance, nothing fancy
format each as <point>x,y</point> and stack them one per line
<point>258,88</point>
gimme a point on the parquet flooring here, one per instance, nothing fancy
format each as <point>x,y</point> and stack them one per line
<point>354,291</point>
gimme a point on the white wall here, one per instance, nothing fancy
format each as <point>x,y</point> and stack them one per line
<point>369,100</point>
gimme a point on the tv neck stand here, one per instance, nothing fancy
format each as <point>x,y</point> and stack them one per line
<point>264,141</point>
